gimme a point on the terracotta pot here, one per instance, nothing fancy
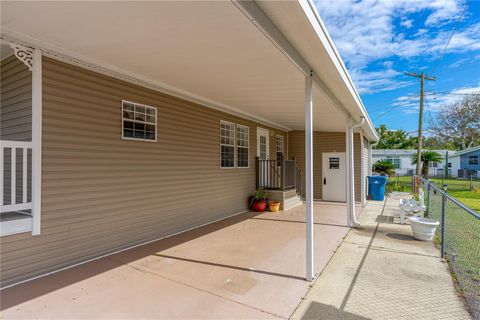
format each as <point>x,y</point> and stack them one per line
<point>259,205</point>
<point>274,206</point>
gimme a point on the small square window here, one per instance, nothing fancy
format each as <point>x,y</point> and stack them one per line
<point>139,122</point>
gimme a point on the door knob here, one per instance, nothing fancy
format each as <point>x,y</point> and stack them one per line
<point>324,180</point>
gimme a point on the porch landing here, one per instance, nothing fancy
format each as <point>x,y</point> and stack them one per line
<point>248,266</point>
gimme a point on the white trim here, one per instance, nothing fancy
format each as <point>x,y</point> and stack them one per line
<point>78,60</point>
<point>14,226</point>
<point>248,146</point>
<point>138,121</point>
<point>121,250</point>
<point>24,54</point>
<point>15,207</point>
<point>37,142</point>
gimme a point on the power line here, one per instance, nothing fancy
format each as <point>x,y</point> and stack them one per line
<point>432,122</point>
<point>435,65</point>
<point>392,109</point>
<point>379,107</point>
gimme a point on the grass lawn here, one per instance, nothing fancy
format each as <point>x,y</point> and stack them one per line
<point>457,188</point>
<point>469,198</point>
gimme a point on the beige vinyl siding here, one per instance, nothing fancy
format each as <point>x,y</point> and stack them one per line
<point>15,119</point>
<point>322,142</point>
<point>102,193</point>
<point>15,101</point>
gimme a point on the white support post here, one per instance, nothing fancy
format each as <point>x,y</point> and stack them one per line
<point>309,175</point>
<point>363,196</point>
<point>13,177</point>
<point>352,176</point>
<point>25,172</point>
<point>347,171</point>
<point>36,141</point>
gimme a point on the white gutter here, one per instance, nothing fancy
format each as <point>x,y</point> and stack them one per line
<point>351,165</point>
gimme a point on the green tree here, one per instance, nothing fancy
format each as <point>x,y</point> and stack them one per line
<point>384,166</point>
<point>394,139</point>
<point>427,158</point>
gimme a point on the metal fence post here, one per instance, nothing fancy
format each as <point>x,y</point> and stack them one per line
<point>444,202</point>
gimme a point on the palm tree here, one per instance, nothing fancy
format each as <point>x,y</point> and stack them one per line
<point>427,158</point>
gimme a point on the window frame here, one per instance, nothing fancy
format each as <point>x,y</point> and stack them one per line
<point>283,145</point>
<point>475,158</point>
<point>135,121</point>
<point>391,160</point>
<point>222,144</point>
<point>242,147</point>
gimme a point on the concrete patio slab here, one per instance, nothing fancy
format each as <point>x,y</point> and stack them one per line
<point>248,266</point>
<point>381,272</point>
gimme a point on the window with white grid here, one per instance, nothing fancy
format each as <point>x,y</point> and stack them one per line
<point>139,122</point>
<point>280,147</point>
<point>227,144</point>
<point>397,163</point>
<point>242,146</point>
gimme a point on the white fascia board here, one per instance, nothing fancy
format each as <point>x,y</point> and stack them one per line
<point>311,12</point>
<point>256,15</point>
<point>75,59</point>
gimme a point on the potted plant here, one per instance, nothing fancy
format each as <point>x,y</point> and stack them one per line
<point>258,201</point>
<point>273,206</point>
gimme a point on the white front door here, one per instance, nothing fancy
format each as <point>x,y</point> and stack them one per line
<point>263,144</point>
<point>333,176</point>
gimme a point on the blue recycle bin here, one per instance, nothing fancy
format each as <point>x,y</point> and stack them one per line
<point>376,187</point>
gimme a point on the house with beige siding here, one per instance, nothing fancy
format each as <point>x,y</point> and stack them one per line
<point>149,119</point>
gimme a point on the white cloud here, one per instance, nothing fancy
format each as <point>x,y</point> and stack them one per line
<point>407,23</point>
<point>366,32</point>
<point>375,81</point>
<point>388,64</point>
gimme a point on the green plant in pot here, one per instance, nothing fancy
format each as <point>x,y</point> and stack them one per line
<point>258,201</point>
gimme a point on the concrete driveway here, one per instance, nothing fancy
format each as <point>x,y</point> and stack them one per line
<point>248,266</point>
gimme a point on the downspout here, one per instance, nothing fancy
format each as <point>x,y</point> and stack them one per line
<point>351,165</point>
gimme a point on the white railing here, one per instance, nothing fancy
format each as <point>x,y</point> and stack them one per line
<point>13,204</point>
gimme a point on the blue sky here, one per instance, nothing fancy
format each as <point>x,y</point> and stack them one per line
<point>379,40</point>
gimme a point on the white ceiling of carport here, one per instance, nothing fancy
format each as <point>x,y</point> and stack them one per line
<point>207,49</point>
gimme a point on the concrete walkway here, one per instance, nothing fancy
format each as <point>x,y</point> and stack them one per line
<point>381,272</point>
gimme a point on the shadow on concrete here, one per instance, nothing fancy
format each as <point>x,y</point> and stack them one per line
<point>231,267</point>
<point>303,222</point>
<point>400,236</point>
<point>32,289</point>
<point>320,311</point>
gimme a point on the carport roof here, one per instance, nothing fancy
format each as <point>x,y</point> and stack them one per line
<point>242,57</point>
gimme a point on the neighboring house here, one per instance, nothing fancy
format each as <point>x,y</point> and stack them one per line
<point>402,160</point>
<point>125,123</point>
<point>466,163</point>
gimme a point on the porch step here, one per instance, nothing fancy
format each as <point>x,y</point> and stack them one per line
<point>292,201</point>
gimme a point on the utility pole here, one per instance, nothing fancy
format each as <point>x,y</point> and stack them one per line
<point>422,77</point>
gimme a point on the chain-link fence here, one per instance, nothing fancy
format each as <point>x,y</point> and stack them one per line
<point>459,238</point>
